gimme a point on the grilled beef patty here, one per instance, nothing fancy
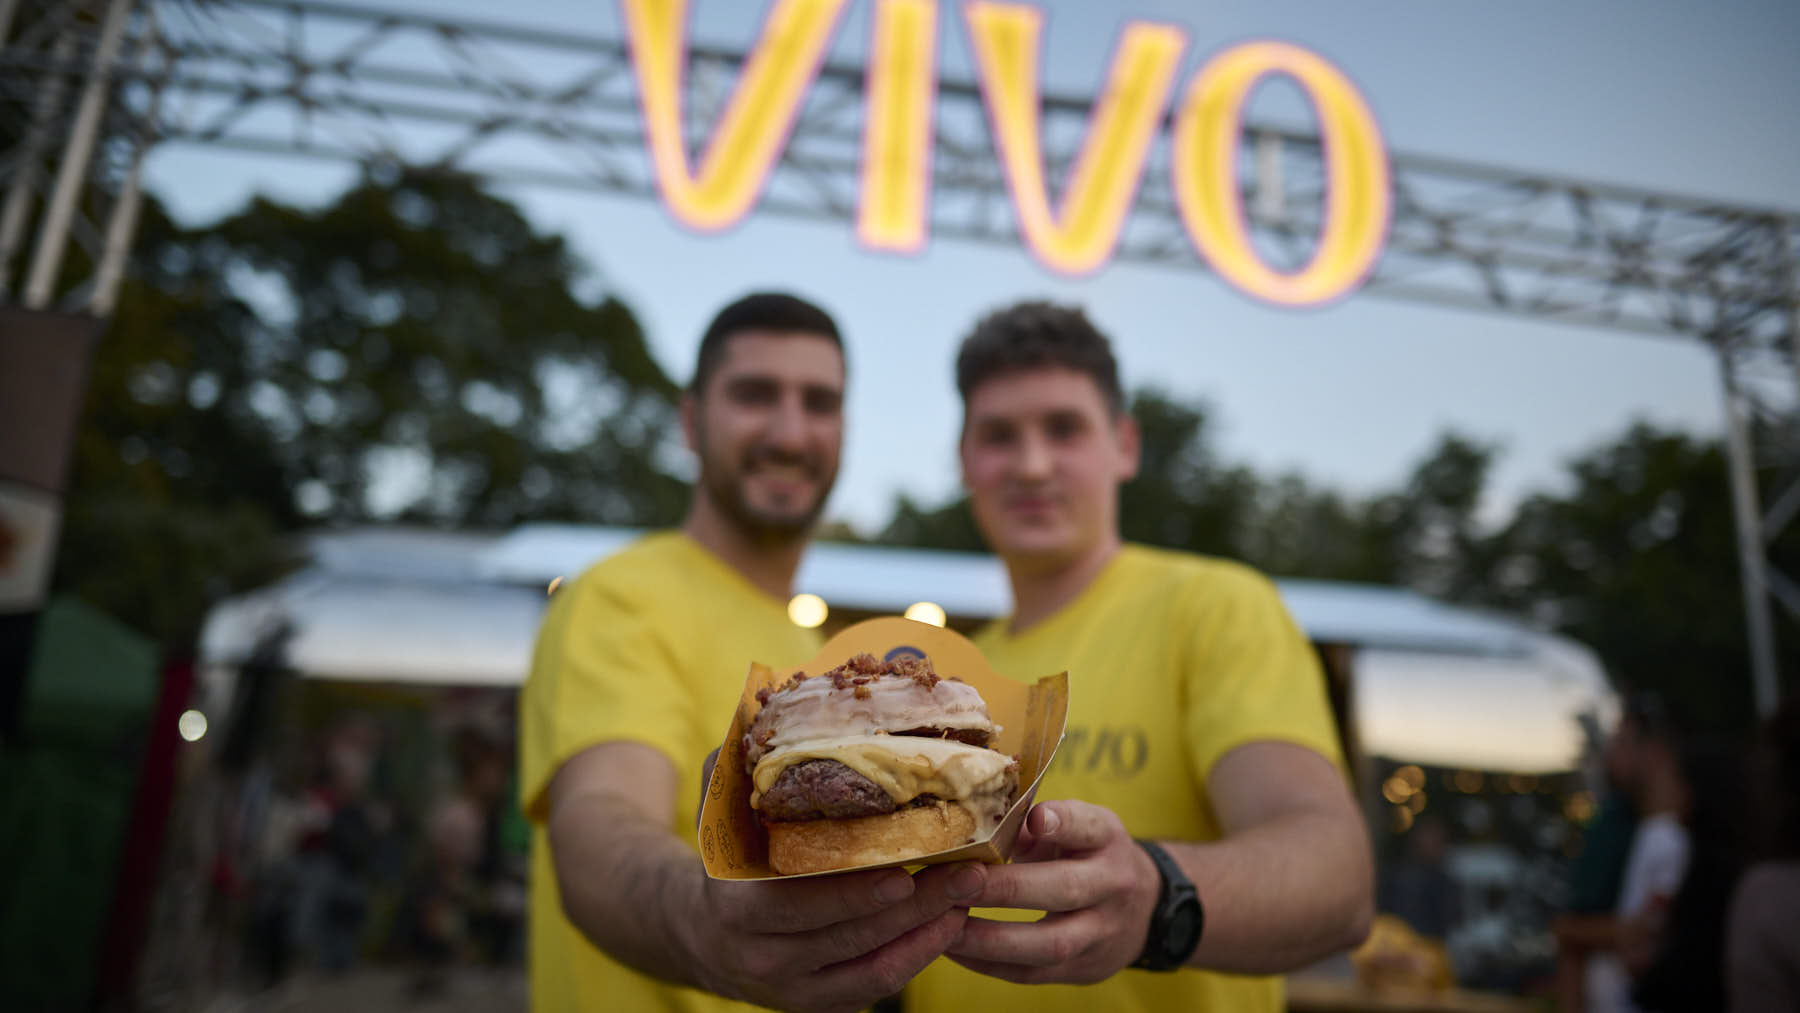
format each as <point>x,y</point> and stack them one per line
<point>826,790</point>
<point>823,789</point>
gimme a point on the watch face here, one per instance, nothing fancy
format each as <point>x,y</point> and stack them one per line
<point>1183,931</point>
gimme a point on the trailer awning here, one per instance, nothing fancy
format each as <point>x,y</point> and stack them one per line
<point>1435,683</point>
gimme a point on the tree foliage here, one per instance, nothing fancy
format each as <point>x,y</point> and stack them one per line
<point>1637,558</point>
<point>412,352</point>
<point>1183,495</point>
<point>949,526</point>
<point>1634,556</point>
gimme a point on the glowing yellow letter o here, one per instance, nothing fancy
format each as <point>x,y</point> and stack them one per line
<point>1203,171</point>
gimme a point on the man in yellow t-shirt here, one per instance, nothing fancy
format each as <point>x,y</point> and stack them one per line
<point>635,677</point>
<point>1198,725</point>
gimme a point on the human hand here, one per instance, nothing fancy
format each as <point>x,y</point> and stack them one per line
<point>1640,936</point>
<point>1075,862</point>
<point>1562,927</point>
<point>830,942</point>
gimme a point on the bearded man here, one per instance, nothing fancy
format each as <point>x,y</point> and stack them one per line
<point>637,664</point>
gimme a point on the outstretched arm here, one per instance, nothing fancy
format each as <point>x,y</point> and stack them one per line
<point>1291,880</point>
<point>639,892</point>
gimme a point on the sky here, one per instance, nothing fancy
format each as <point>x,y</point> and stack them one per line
<point>1687,98</point>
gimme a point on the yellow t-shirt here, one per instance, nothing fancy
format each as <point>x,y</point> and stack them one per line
<point>1173,661</point>
<point>650,645</point>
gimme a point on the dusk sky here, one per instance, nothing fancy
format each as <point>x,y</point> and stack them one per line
<point>1688,98</point>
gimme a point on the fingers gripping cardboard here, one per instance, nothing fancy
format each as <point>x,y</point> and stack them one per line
<point>732,842</point>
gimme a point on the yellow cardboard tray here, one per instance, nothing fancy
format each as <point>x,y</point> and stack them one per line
<point>732,842</point>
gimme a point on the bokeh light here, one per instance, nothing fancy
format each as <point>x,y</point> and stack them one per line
<point>808,610</point>
<point>191,725</point>
<point>926,612</point>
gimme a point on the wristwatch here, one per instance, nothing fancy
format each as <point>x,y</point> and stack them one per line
<point>1177,919</point>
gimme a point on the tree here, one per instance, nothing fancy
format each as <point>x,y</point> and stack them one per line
<point>950,526</point>
<point>1637,560</point>
<point>1297,530</point>
<point>1450,554</point>
<point>1183,497</point>
<point>413,352</point>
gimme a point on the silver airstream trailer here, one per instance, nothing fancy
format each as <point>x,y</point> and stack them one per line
<point>1467,720</point>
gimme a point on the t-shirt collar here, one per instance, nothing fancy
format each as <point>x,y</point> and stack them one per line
<point>728,572</point>
<point>1074,606</point>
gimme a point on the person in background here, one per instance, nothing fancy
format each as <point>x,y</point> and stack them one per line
<point>1418,886</point>
<point>463,905</point>
<point>1686,967</point>
<point>1199,836</point>
<point>640,663</point>
<point>1597,874</point>
<point>344,826</point>
<point>1762,951</point>
<point>1644,758</point>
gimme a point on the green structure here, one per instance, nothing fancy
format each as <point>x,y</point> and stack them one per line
<point>65,802</point>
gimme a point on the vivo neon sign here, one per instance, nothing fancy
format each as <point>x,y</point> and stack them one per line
<point>1074,234</point>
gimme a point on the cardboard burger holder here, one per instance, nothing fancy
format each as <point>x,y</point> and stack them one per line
<point>1031,718</point>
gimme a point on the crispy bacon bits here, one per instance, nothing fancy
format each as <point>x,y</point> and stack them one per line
<point>763,694</point>
<point>918,670</point>
<point>861,670</point>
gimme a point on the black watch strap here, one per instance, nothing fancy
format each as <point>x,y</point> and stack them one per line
<point>1177,920</point>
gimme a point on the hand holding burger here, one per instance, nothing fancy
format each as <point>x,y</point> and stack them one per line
<point>828,942</point>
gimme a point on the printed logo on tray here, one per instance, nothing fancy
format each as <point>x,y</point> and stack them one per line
<point>903,651</point>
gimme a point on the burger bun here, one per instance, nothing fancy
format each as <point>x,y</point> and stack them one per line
<point>806,846</point>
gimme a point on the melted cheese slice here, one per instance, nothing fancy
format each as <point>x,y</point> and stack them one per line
<point>818,708</point>
<point>904,766</point>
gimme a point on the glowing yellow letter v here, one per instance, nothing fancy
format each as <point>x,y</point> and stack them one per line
<point>1099,192</point>
<point>744,144</point>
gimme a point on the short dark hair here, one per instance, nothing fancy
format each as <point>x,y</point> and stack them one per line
<point>1035,334</point>
<point>759,311</point>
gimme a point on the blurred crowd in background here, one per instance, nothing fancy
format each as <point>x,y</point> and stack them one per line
<point>383,831</point>
<point>380,828</point>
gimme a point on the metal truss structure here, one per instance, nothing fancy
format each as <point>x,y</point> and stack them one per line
<point>87,88</point>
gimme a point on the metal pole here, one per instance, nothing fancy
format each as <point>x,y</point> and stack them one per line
<point>53,237</point>
<point>1752,563</point>
<point>31,155</point>
<point>119,231</point>
<point>1270,198</point>
<point>123,224</point>
<point>1790,260</point>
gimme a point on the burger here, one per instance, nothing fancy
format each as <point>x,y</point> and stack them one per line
<point>874,762</point>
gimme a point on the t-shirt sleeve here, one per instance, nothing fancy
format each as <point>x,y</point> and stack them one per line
<point>600,673</point>
<point>1251,675</point>
<point>1666,847</point>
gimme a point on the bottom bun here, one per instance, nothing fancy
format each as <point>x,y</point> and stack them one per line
<point>822,845</point>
